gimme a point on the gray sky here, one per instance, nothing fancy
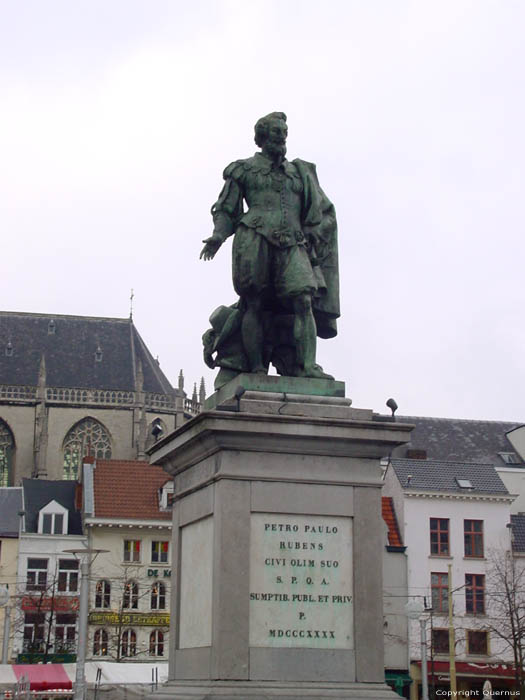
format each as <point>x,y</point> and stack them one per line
<point>118,117</point>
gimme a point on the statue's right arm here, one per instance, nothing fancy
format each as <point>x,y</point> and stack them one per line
<point>225,211</point>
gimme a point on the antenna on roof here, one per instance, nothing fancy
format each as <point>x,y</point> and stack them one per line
<point>131,305</point>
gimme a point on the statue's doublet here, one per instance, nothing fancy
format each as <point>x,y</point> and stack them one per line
<point>273,195</point>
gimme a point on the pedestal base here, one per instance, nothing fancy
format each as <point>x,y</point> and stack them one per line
<point>198,690</point>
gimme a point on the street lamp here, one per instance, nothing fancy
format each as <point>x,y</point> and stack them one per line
<point>86,556</point>
<point>414,610</point>
<point>4,603</point>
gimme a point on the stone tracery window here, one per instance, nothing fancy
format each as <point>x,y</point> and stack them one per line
<point>7,445</point>
<point>87,437</point>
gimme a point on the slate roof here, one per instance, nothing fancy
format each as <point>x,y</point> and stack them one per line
<point>389,516</point>
<point>11,503</point>
<point>128,489</point>
<point>518,531</point>
<point>70,353</point>
<point>454,439</point>
<point>39,492</point>
<point>440,475</point>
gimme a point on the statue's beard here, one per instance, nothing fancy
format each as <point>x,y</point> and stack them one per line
<point>276,149</point>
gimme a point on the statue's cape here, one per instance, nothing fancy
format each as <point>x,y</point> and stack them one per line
<point>320,223</point>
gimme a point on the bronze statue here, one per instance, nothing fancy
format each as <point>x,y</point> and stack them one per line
<point>285,266</point>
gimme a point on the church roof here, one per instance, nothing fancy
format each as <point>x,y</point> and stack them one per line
<point>11,504</point>
<point>79,352</point>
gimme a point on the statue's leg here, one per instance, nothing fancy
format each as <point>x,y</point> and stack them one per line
<point>305,333</point>
<point>252,333</point>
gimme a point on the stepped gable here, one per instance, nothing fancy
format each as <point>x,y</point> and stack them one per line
<point>129,490</point>
<point>454,439</point>
<point>69,345</point>
<point>39,492</point>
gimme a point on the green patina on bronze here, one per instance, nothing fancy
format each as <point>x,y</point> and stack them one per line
<point>285,264</point>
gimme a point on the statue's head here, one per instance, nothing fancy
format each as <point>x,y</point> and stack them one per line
<point>271,132</point>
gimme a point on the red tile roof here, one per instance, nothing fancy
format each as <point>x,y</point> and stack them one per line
<point>127,489</point>
<point>389,516</point>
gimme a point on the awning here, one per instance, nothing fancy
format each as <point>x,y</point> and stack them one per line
<point>465,668</point>
<point>44,676</point>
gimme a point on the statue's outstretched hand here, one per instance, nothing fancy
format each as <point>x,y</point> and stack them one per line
<point>211,246</point>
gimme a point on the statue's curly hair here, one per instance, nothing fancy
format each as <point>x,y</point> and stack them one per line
<point>262,125</point>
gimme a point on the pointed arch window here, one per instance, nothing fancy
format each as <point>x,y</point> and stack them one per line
<point>87,437</point>
<point>7,447</point>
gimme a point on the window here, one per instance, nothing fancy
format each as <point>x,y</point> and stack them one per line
<point>53,519</point>
<point>103,594</point>
<point>473,538</point>
<point>156,643</point>
<point>132,551</point>
<point>34,632</point>
<point>477,642</point>
<point>475,594</point>
<point>439,536</point>
<point>510,457</point>
<point>36,574</point>
<point>439,587</point>
<point>159,552</point>
<point>65,632</point>
<point>440,641</point>
<point>128,645</point>
<point>100,643</point>
<point>131,595</point>
<point>7,445</point>
<point>158,596</point>
<point>68,575</point>
<point>88,436</point>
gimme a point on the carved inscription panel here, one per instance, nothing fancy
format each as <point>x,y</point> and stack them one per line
<point>301,581</point>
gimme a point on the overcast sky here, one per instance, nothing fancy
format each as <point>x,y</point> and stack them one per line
<point>117,118</point>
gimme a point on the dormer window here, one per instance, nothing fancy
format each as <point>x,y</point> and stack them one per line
<point>510,457</point>
<point>165,494</point>
<point>51,327</point>
<point>53,519</point>
<point>98,354</point>
<point>9,349</point>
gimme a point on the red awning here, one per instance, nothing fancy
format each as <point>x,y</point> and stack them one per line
<point>44,676</point>
<point>473,669</point>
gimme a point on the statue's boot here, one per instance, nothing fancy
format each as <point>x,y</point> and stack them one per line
<point>315,372</point>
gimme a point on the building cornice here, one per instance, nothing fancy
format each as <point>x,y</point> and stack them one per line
<point>128,523</point>
<point>496,498</point>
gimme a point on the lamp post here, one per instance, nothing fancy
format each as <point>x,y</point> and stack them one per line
<point>86,557</point>
<point>4,603</point>
<point>414,610</point>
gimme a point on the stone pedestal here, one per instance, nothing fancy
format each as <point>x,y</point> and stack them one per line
<point>277,547</point>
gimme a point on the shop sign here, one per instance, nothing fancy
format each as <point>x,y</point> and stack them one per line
<point>47,603</point>
<point>138,619</point>
<point>155,572</point>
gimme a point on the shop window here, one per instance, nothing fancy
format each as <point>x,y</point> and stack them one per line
<point>65,632</point>
<point>156,643</point>
<point>100,643</point>
<point>473,538</point>
<point>128,646</point>
<point>439,536</point>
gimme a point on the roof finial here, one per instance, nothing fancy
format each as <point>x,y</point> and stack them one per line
<point>202,392</point>
<point>194,397</point>
<point>131,305</point>
<point>181,380</point>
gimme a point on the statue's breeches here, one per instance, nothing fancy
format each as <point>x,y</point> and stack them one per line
<point>260,268</point>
